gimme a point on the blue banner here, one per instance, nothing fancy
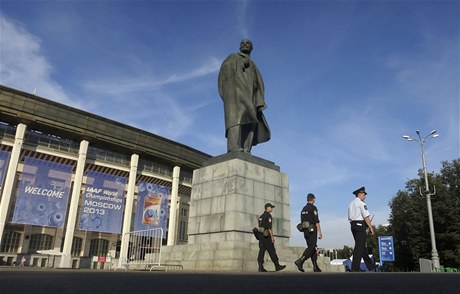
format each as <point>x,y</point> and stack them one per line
<point>43,195</point>
<point>4,155</point>
<point>103,203</point>
<point>152,207</point>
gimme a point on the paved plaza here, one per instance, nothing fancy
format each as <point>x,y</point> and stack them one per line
<point>38,280</point>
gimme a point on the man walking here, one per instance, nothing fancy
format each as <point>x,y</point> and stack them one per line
<point>358,215</point>
<point>23,261</point>
<point>311,231</point>
<point>267,239</point>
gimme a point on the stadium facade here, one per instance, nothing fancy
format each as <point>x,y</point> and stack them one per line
<point>75,182</point>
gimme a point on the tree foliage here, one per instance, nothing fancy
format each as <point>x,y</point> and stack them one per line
<point>409,219</point>
<point>344,253</point>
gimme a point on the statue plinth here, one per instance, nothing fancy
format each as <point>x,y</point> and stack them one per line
<point>229,194</point>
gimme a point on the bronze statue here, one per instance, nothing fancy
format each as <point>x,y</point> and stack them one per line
<point>242,90</point>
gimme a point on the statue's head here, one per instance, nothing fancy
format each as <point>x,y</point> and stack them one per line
<point>246,46</point>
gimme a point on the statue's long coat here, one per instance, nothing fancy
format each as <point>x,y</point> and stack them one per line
<point>242,91</point>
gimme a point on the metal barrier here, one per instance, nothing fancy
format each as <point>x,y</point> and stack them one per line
<point>144,249</point>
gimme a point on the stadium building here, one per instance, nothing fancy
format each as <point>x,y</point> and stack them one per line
<point>75,182</point>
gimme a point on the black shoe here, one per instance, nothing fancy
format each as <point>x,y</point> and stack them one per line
<point>262,270</point>
<point>317,270</point>
<point>280,267</point>
<point>299,265</point>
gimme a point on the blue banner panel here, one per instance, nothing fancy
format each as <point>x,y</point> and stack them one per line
<point>43,195</point>
<point>386,248</point>
<point>152,207</point>
<point>103,203</point>
<point>4,155</point>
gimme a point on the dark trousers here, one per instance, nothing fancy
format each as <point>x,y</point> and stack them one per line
<point>265,244</point>
<point>312,239</point>
<point>358,229</point>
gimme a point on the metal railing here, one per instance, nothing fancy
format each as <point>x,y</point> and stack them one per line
<point>144,250</point>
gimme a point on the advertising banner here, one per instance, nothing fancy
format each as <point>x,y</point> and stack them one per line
<point>4,155</point>
<point>43,195</point>
<point>103,203</point>
<point>152,207</point>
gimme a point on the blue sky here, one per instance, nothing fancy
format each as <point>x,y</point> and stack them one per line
<point>344,81</point>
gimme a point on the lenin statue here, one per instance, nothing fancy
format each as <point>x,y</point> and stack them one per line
<point>242,90</point>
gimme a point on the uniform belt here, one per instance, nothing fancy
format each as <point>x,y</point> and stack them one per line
<point>357,221</point>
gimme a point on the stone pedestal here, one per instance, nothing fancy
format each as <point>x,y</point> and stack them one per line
<point>228,196</point>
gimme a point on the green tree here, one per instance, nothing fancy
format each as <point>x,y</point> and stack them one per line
<point>409,219</point>
<point>344,253</point>
<point>447,226</point>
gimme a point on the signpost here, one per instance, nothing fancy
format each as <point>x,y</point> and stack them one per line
<point>386,249</point>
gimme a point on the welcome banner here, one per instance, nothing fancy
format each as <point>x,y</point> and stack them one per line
<point>43,195</point>
<point>152,207</point>
<point>4,155</point>
<point>103,203</point>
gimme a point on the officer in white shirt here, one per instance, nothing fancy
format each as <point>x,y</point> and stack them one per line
<point>358,215</point>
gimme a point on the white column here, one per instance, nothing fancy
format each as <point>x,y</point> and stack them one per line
<point>10,176</point>
<point>73,209</point>
<point>128,208</point>
<point>172,228</point>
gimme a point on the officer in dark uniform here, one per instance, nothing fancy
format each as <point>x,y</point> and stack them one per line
<point>358,215</point>
<point>311,231</point>
<point>267,239</point>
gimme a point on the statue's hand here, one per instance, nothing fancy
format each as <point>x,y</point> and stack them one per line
<point>260,108</point>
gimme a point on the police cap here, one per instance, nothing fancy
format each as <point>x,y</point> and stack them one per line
<point>360,190</point>
<point>269,205</point>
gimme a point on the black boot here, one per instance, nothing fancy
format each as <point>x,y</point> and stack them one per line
<point>299,263</point>
<point>316,268</point>
<point>279,267</point>
<point>261,267</point>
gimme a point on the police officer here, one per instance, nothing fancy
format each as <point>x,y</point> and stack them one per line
<point>267,240</point>
<point>358,215</point>
<point>311,231</point>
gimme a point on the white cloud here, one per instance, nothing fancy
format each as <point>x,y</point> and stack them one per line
<point>24,66</point>
<point>121,86</point>
<point>241,16</point>
<point>166,117</point>
<point>158,108</point>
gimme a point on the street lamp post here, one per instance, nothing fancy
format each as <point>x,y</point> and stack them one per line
<point>428,194</point>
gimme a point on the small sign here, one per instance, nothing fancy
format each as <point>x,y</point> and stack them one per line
<point>102,259</point>
<point>386,248</point>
